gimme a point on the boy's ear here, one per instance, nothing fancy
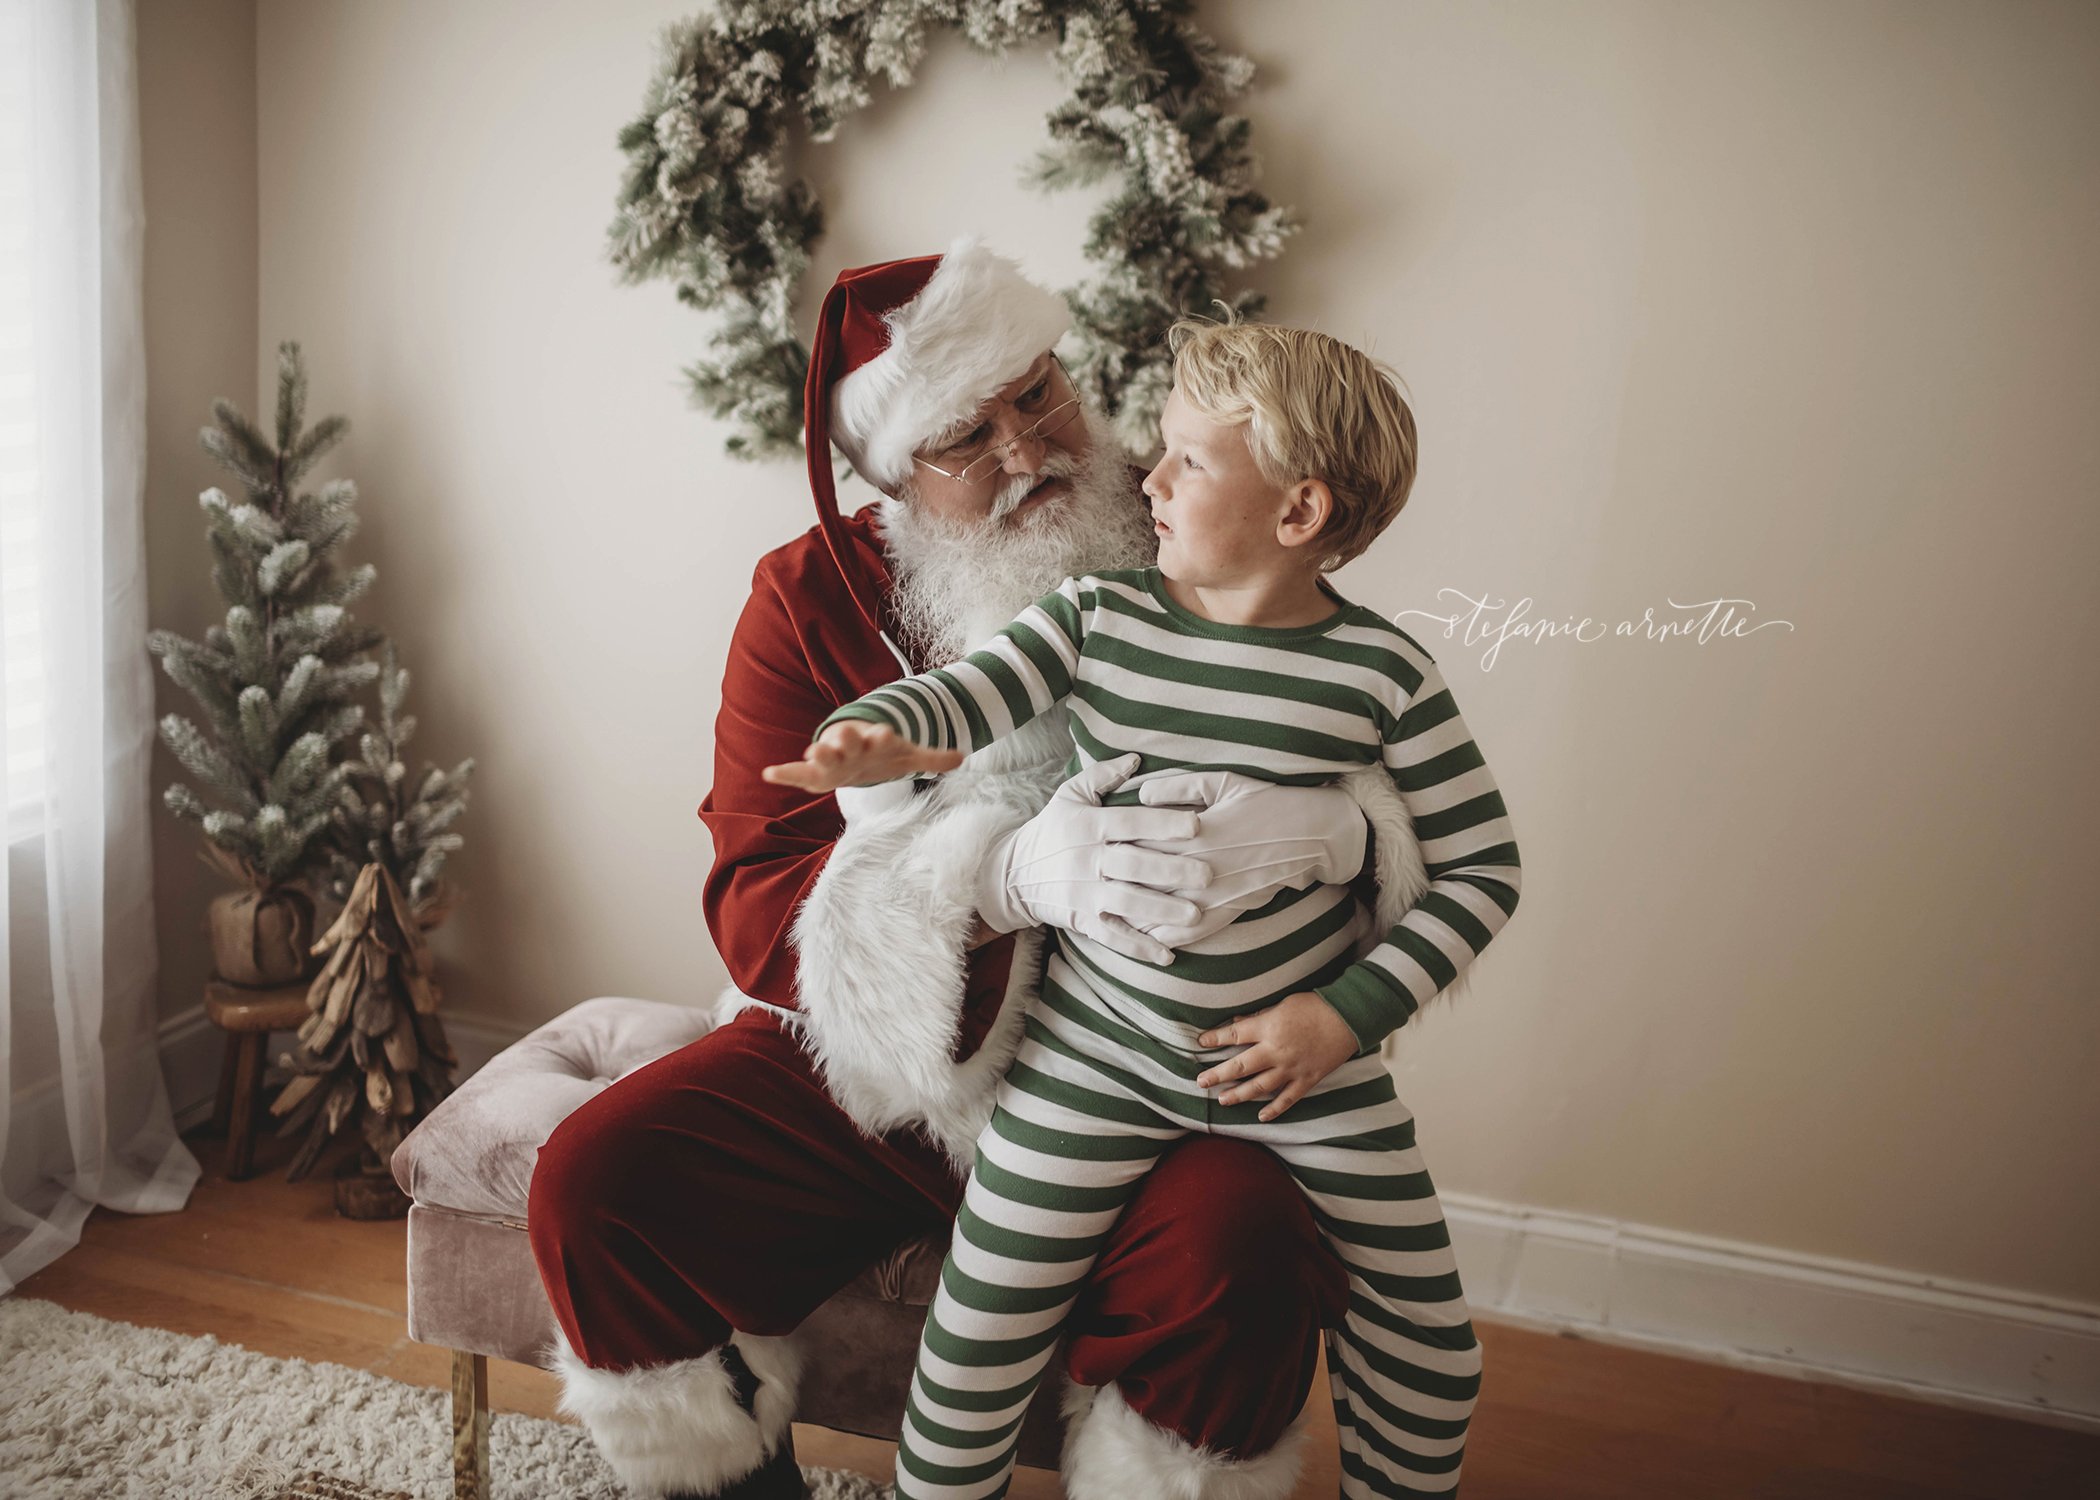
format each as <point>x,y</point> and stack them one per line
<point>1308,506</point>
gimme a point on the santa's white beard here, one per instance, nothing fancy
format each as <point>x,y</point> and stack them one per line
<point>957,582</point>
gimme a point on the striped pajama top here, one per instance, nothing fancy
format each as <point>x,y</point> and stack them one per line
<point>1294,705</point>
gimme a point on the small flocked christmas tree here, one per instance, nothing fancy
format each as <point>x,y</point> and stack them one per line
<point>378,820</point>
<point>274,683</point>
<point>372,1051</point>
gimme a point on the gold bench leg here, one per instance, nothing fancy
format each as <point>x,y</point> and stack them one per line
<point>470,1426</point>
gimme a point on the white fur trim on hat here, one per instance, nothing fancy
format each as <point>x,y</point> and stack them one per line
<point>977,324</point>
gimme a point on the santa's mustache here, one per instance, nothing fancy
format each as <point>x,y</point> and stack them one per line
<point>1057,465</point>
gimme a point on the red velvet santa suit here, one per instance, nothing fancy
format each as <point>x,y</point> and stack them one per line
<point>740,1182</point>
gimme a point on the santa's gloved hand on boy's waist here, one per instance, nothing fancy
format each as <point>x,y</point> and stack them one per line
<point>1203,847</point>
<point>1258,838</point>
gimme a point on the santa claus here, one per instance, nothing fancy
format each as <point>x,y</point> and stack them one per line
<point>884,943</point>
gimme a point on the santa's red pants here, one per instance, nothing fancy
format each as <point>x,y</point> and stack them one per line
<point>720,1188</point>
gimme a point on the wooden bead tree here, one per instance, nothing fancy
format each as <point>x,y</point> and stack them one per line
<point>372,1051</point>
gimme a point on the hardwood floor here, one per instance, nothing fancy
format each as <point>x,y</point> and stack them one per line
<point>269,1266</point>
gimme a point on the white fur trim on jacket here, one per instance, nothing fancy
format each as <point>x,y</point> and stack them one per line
<point>977,324</point>
<point>879,940</point>
<point>881,970</point>
<point>1397,862</point>
<point>1112,1453</point>
<point>677,1426</point>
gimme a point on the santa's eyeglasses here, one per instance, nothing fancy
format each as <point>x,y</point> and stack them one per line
<point>973,466</point>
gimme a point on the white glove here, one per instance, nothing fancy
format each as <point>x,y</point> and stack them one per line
<point>1079,865</point>
<point>1258,838</point>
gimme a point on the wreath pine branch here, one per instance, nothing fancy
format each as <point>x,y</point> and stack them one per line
<point>706,200</point>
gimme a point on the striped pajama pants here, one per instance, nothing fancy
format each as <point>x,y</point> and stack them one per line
<point>1090,1103</point>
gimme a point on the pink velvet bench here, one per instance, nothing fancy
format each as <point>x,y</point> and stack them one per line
<point>473,1288</point>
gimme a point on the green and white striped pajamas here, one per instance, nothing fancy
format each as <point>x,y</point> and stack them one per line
<point>1105,1076</point>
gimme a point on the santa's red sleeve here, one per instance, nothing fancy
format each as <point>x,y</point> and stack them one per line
<point>770,841</point>
<point>854,922</point>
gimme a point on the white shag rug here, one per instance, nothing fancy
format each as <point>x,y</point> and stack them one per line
<point>92,1408</point>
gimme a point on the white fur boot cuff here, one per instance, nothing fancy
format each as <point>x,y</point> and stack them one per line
<point>1112,1453</point>
<point>678,1426</point>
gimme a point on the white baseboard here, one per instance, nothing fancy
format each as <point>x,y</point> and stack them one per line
<point>1981,1347</point>
<point>1807,1316</point>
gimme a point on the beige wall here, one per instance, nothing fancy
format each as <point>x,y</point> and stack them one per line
<point>1785,302</point>
<point>197,149</point>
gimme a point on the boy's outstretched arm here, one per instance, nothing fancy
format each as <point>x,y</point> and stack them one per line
<point>847,753</point>
<point>1022,672</point>
<point>1470,852</point>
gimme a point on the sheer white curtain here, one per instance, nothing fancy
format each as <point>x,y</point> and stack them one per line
<point>86,1116</point>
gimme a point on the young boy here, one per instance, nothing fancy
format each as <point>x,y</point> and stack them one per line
<point>1287,452</point>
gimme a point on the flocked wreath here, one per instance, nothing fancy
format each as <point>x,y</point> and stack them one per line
<point>708,202</point>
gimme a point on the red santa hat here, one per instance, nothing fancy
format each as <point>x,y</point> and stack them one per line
<point>907,349</point>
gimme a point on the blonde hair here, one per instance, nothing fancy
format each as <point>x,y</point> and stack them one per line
<point>1315,408</point>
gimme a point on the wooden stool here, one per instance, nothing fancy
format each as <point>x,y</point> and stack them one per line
<point>248,1016</point>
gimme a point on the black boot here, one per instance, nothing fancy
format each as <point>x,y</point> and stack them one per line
<point>779,1477</point>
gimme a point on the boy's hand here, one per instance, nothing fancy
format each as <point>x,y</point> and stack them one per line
<point>1290,1046</point>
<point>854,752</point>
